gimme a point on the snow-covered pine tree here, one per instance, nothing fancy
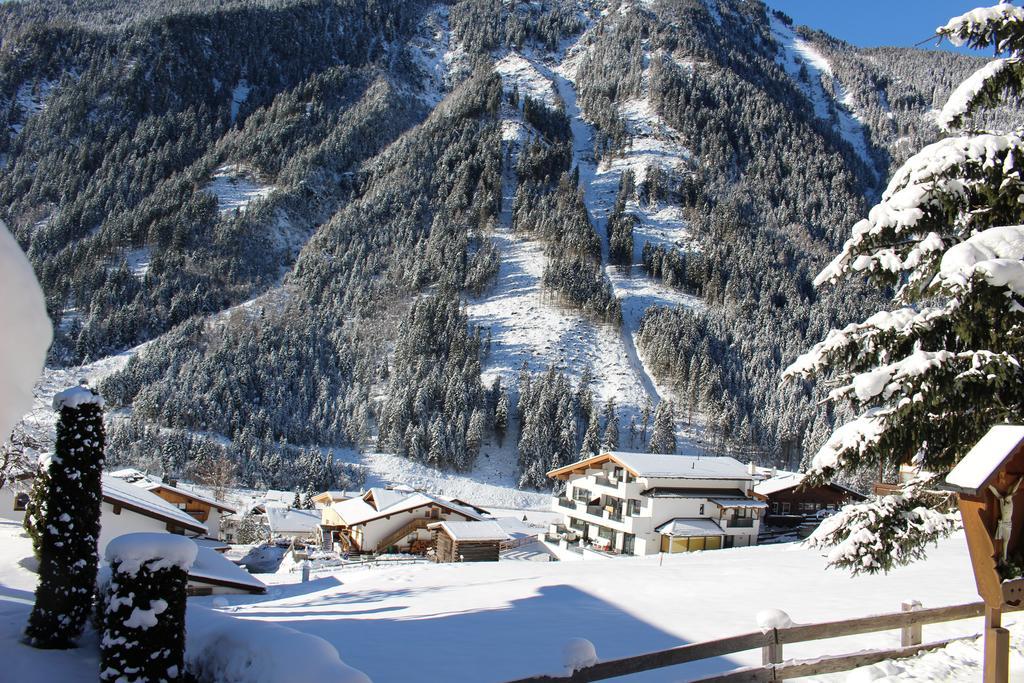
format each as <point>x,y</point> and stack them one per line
<point>591,438</point>
<point>610,441</point>
<point>930,376</point>
<point>68,559</point>
<point>663,434</point>
<point>35,511</point>
<point>501,411</point>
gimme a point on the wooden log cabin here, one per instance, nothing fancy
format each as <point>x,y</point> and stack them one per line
<point>467,541</point>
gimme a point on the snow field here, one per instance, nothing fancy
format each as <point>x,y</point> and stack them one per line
<point>235,188</point>
<point>487,622</point>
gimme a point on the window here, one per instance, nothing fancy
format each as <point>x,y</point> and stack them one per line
<point>701,511</point>
<point>785,508</point>
<point>581,495</point>
<point>775,507</point>
<point>633,507</point>
<point>20,501</point>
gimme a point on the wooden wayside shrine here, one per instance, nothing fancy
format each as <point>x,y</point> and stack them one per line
<point>988,482</point>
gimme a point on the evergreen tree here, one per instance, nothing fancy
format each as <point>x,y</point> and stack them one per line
<point>592,437</point>
<point>663,435</point>
<point>35,510</point>
<point>249,530</point>
<point>610,442</point>
<point>68,557</point>
<point>501,415</point>
<point>930,376</point>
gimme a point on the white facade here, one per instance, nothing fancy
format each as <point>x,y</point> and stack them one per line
<point>124,521</point>
<point>9,503</point>
<point>641,504</point>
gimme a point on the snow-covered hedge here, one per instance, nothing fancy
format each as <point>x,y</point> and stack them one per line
<point>224,649</point>
<point>143,612</point>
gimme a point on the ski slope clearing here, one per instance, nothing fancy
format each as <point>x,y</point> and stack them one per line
<point>798,54</point>
<point>235,188</point>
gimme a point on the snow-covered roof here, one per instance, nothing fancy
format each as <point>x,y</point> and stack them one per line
<point>157,486</point>
<point>738,502</point>
<point>283,520</point>
<point>119,492</point>
<point>129,474</point>
<point>780,483</point>
<point>378,502</point>
<point>790,480</point>
<point>517,528</point>
<point>685,526</point>
<point>983,461</point>
<point>472,531</point>
<point>662,466</point>
<point>213,568</point>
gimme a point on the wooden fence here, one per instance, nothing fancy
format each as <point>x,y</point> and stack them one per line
<point>773,668</point>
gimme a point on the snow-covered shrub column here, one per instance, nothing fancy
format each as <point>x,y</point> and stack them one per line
<point>143,619</point>
<point>67,555</point>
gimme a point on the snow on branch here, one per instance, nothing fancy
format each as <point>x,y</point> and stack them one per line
<point>996,255</point>
<point>1001,25</point>
<point>910,227</point>
<point>985,86</point>
<point>886,532</point>
<point>898,324</point>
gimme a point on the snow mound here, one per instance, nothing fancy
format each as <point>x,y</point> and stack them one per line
<point>25,332</point>
<point>767,619</point>
<point>75,397</point>
<point>229,650</point>
<point>134,550</point>
<point>578,653</point>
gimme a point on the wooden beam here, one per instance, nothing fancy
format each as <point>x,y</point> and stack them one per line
<point>658,660</point>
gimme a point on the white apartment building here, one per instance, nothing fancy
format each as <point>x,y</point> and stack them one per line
<point>645,503</point>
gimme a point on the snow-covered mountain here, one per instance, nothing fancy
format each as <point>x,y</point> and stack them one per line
<point>331,226</point>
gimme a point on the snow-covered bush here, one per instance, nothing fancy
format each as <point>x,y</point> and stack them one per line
<point>143,615</point>
<point>930,376</point>
<point>68,559</point>
<point>35,510</point>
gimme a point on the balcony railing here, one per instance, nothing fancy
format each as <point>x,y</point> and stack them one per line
<point>566,503</point>
<point>605,481</point>
<point>615,516</point>
<point>595,510</point>
<point>740,522</point>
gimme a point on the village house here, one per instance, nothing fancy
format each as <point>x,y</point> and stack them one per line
<point>786,496</point>
<point>468,541</point>
<point>383,519</point>
<point>645,503</point>
<point>129,508</point>
<point>293,524</point>
<point>203,508</point>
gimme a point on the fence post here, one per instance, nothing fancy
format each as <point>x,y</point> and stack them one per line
<point>772,652</point>
<point>910,635</point>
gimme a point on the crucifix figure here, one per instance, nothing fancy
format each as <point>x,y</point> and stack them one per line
<point>1005,526</point>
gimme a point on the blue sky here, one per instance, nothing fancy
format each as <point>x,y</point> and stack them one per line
<point>871,23</point>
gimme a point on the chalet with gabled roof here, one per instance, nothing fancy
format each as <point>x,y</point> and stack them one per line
<point>645,503</point>
<point>383,519</point>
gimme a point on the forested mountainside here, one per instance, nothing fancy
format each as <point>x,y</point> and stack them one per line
<point>434,229</point>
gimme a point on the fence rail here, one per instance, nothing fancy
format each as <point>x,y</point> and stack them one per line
<point>773,668</point>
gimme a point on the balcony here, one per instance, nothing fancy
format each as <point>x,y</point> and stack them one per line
<point>605,481</point>
<point>740,522</point>
<point>566,503</point>
<point>615,516</point>
<point>595,510</point>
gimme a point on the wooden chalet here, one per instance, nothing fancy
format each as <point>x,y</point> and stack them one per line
<point>205,509</point>
<point>467,541</point>
<point>788,497</point>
